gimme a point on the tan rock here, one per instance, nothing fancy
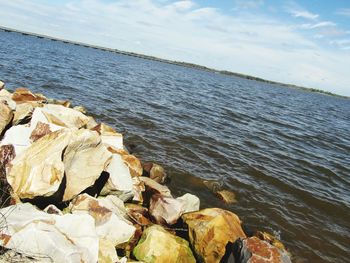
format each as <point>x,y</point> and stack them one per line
<point>6,116</point>
<point>6,96</point>
<point>109,136</point>
<point>2,85</point>
<point>81,109</point>
<point>22,95</point>
<point>227,196</point>
<point>63,116</point>
<point>210,230</point>
<point>84,160</point>
<point>91,123</point>
<point>23,112</point>
<point>138,188</point>
<point>157,246</point>
<point>130,160</point>
<point>64,103</point>
<point>271,239</point>
<point>39,170</point>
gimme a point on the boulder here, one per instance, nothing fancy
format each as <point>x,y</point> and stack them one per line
<point>138,214</point>
<point>85,158</point>
<point>119,181</point>
<point>138,188</point>
<point>155,187</point>
<point>270,238</point>
<point>253,249</point>
<point>157,245</point>
<point>109,136</point>
<point>110,223</point>
<point>23,112</point>
<point>130,160</point>
<point>19,137</point>
<point>6,116</point>
<point>210,230</point>
<point>191,203</point>
<point>22,95</point>
<point>91,123</point>
<point>155,172</point>
<point>6,96</point>
<point>39,169</point>
<point>80,108</point>
<point>226,196</point>
<point>48,237</point>
<point>165,210</point>
<point>64,103</point>
<point>39,131</point>
<point>63,116</point>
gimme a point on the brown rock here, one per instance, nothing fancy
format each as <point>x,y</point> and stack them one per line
<point>22,95</point>
<point>7,154</point>
<point>270,238</point>
<point>138,214</point>
<point>210,230</point>
<point>39,131</point>
<point>155,172</point>
<point>254,250</point>
<point>227,196</point>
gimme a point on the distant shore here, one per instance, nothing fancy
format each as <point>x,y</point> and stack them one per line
<point>179,63</point>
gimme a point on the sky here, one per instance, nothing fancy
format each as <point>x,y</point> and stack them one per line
<point>301,42</point>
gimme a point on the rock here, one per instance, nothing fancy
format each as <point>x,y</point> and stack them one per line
<point>213,185</point>
<point>250,250</point>
<point>155,172</point>
<point>138,189</point>
<point>6,96</point>
<point>227,196</point>
<point>110,224</point>
<point>64,103</point>
<point>39,169</point>
<point>52,209</point>
<point>138,214</point>
<point>271,239</point>
<point>165,210</point>
<point>191,203</point>
<point>109,136</point>
<point>39,131</point>
<point>2,85</point>
<point>7,154</point>
<point>22,95</point>
<point>157,245</point>
<point>18,136</point>
<point>210,230</point>
<point>91,123</point>
<point>119,181</point>
<point>155,187</point>
<point>80,108</point>
<point>85,158</point>
<point>6,116</point>
<point>63,116</point>
<point>130,160</point>
<point>49,237</point>
<point>23,112</point>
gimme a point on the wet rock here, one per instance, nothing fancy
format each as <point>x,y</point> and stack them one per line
<point>165,210</point>
<point>227,196</point>
<point>48,237</point>
<point>158,245</point>
<point>23,113</point>
<point>109,136</point>
<point>63,116</point>
<point>110,223</point>
<point>6,116</point>
<point>213,185</point>
<point>22,95</point>
<point>253,249</point>
<point>155,172</point>
<point>119,181</point>
<point>271,239</point>
<point>191,203</point>
<point>85,158</point>
<point>210,230</point>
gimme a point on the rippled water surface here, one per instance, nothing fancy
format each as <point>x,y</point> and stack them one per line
<point>284,152</point>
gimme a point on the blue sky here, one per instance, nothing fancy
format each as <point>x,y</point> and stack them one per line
<point>303,42</point>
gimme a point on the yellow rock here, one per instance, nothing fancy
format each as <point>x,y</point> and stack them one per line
<point>227,196</point>
<point>210,230</point>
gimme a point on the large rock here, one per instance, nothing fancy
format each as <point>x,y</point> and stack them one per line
<point>6,116</point>
<point>210,230</point>
<point>47,237</point>
<point>157,246</point>
<point>6,96</point>
<point>84,160</point>
<point>63,116</point>
<point>39,169</point>
<point>23,112</point>
<point>119,181</point>
<point>191,203</point>
<point>109,136</point>
<point>22,95</point>
<point>109,217</point>
<point>155,172</point>
<point>251,250</point>
<point>19,137</point>
<point>130,160</point>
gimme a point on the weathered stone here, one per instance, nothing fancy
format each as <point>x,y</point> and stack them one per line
<point>23,112</point>
<point>155,172</point>
<point>110,224</point>
<point>157,245</point>
<point>39,170</point>
<point>155,187</point>
<point>119,181</point>
<point>138,214</point>
<point>22,95</point>
<point>84,160</point>
<point>165,210</point>
<point>7,154</point>
<point>210,230</point>
<point>63,116</point>
<point>191,203</point>
<point>109,136</point>
<point>130,160</point>
<point>6,96</point>
<point>227,196</point>
<point>6,116</point>
<point>271,239</point>
<point>40,131</point>
<point>49,237</point>
<point>138,189</point>
<point>254,250</point>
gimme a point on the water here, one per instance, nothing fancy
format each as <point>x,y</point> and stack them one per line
<point>284,152</point>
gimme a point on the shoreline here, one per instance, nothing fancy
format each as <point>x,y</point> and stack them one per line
<point>172,62</point>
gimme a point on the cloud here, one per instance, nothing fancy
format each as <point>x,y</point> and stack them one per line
<point>319,25</point>
<point>343,11</point>
<point>187,31</point>
<point>304,14</point>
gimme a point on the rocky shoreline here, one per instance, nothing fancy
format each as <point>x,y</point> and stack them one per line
<point>71,192</point>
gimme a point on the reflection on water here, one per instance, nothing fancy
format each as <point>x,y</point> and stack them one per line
<point>284,152</point>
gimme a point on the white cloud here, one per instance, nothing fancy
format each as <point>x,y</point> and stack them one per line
<point>343,11</point>
<point>319,25</point>
<point>185,31</point>
<point>304,14</point>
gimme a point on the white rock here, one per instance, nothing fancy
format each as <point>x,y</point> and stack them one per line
<point>191,202</point>
<point>165,210</point>
<point>18,136</point>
